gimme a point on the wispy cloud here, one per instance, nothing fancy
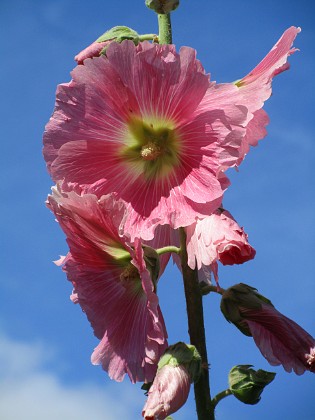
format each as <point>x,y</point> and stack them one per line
<point>29,391</point>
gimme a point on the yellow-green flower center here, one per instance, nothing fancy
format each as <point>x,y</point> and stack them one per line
<point>151,147</point>
<point>129,273</point>
<point>130,278</point>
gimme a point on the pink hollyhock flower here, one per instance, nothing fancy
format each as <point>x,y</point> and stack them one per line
<point>280,340</point>
<point>217,238</point>
<point>112,284</point>
<point>145,123</point>
<point>134,123</point>
<point>177,369</point>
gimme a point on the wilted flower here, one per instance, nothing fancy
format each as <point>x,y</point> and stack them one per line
<point>112,284</point>
<point>217,238</point>
<point>280,340</point>
<point>177,369</point>
<point>146,123</point>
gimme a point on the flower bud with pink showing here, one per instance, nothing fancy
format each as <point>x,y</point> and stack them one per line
<point>98,47</point>
<point>178,368</point>
<point>217,238</point>
<point>280,340</point>
<point>93,50</point>
<point>112,284</point>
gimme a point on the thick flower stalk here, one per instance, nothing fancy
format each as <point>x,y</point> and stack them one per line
<point>215,238</point>
<point>112,284</point>
<point>280,340</point>
<point>146,123</point>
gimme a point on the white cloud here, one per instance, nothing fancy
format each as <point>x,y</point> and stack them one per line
<point>28,391</point>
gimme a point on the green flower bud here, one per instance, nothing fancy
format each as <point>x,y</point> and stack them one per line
<point>162,7</point>
<point>238,297</point>
<point>247,384</point>
<point>118,34</point>
<point>99,47</point>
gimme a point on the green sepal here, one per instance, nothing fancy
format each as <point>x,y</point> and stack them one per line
<point>241,296</point>
<point>247,384</point>
<point>118,34</point>
<point>182,354</point>
<point>152,262</point>
<point>146,387</point>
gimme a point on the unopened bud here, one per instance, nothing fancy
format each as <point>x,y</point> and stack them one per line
<point>247,384</point>
<point>238,298</point>
<point>279,338</point>
<point>98,47</point>
<point>162,6</point>
<point>177,369</point>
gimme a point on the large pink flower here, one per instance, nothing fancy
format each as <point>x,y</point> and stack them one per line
<point>133,123</point>
<point>112,285</point>
<point>145,123</point>
<point>217,238</point>
<point>280,340</point>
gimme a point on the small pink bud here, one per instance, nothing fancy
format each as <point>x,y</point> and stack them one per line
<point>98,47</point>
<point>168,393</point>
<point>93,50</point>
<point>177,369</point>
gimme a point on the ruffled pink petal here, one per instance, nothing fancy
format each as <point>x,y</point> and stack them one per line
<point>255,88</point>
<point>163,236</point>
<point>168,393</point>
<point>123,311</point>
<point>276,59</point>
<point>217,238</point>
<point>256,130</point>
<point>280,340</point>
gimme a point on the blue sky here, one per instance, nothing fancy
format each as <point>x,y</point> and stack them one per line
<point>45,341</point>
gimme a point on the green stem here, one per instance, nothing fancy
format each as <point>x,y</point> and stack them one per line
<point>220,396</point>
<point>147,37</point>
<point>165,29</point>
<point>166,249</point>
<point>204,406</point>
<point>209,288</point>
